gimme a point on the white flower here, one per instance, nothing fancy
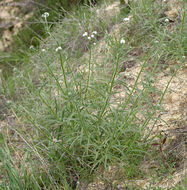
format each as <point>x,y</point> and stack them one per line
<point>89,38</point>
<point>164,0</point>
<point>156,41</point>
<point>85,34</point>
<point>92,36</point>
<point>56,141</point>
<point>122,41</point>
<point>120,109</point>
<point>94,43</point>
<point>183,57</point>
<point>94,32</point>
<point>166,20</point>
<point>45,15</point>
<point>58,48</point>
<point>126,19</point>
<point>43,50</point>
<point>31,47</point>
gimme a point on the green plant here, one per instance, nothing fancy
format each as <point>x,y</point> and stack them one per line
<point>64,98</point>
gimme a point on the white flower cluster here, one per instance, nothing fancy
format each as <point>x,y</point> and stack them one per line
<point>122,41</point>
<point>45,15</point>
<point>85,34</point>
<point>91,36</point>
<point>166,20</point>
<point>56,141</point>
<point>31,47</point>
<point>126,19</point>
<point>58,48</point>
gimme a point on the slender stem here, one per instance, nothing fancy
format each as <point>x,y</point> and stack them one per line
<point>149,13</point>
<point>56,79</point>
<point>111,86</point>
<point>63,71</point>
<point>182,27</point>
<point>89,66</point>
<point>135,84</point>
<point>159,103</point>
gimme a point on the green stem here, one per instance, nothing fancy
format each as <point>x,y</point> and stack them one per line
<point>63,71</point>
<point>149,13</point>
<point>110,89</point>
<point>135,84</point>
<point>182,27</point>
<point>56,79</point>
<point>159,103</point>
<point>89,67</point>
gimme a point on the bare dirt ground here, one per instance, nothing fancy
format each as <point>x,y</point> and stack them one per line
<point>13,14</point>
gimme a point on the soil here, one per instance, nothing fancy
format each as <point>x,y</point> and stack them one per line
<point>13,15</point>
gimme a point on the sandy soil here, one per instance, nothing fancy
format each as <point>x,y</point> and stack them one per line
<point>13,14</point>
